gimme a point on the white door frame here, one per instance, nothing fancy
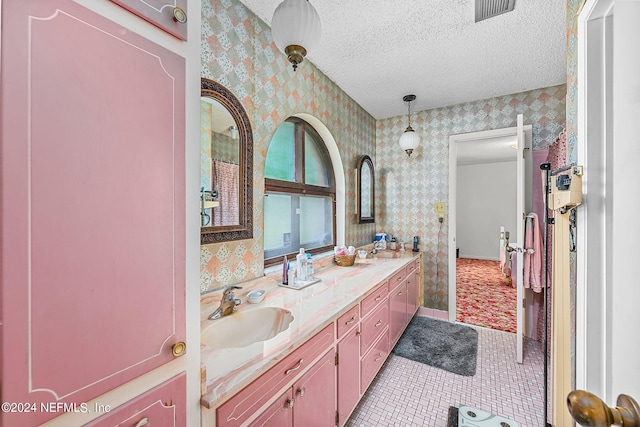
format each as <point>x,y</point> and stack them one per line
<point>453,170</point>
<point>607,291</point>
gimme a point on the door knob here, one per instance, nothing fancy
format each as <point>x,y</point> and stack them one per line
<point>179,15</point>
<point>178,349</point>
<point>589,410</point>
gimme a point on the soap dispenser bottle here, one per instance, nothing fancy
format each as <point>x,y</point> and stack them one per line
<point>301,265</point>
<point>309,267</point>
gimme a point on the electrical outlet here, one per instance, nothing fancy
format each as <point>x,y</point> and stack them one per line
<point>439,207</point>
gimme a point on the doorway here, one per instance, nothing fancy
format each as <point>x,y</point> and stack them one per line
<point>482,198</point>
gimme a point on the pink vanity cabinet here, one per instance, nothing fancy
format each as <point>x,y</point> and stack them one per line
<point>302,371</point>
<point>93,210</point>
<point>321,382</point>
<point>309,401</point>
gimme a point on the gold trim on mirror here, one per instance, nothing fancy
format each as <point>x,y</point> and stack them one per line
<point>244,229</point>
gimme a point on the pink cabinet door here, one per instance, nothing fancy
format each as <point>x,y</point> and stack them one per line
<point>315,395</point>
<point>397,312</point>
<point>373,360</point>
<point>412,294</point>
<point>170,15</point>
<point>244,404</point>
<point>162,406</point>
<point>92,195</point>
<point>279,414</point>
<point>348,375</point>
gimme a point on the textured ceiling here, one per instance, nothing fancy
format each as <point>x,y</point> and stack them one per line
<point>377,51</point>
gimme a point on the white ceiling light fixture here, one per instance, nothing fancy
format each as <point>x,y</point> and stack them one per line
<point>409,140</point>
<point>295,28</point>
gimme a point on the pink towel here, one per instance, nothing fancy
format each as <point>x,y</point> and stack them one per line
<point>533,262</point>
<point>513,268</point>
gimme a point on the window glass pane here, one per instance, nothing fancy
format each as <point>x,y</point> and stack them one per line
<point>277,226</point>
<point>314,166</point>
<point>293,221</point>
<point>316,228</point>
<point>280,156</point>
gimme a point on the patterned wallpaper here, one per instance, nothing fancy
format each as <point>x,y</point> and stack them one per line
<point>238,52</point>
<point>407,187</point>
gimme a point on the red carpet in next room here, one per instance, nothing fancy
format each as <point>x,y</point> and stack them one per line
<point>484,296</point>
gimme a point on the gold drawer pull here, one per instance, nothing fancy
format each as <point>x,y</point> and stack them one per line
<point>358,333</point>
<point>295,368</point>
<point>300,392</point>
<point>348,322</point>
<point>378,323</point>
<point>142,422</point>
<point>378,358</point>
<point>400,293</point>
<point>289,403</point>
<point>379,297</point>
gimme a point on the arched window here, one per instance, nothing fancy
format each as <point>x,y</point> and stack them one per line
<point>300,193</point>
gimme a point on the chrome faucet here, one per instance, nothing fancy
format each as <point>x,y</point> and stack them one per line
<point>228,304</point>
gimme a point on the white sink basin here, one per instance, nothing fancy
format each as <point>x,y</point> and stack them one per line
<point>246,327</point>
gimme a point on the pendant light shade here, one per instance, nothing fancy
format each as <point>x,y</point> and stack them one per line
<point>295,28</point>
<point>409,140</point>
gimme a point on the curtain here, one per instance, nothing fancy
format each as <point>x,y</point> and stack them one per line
<point>224,178</point>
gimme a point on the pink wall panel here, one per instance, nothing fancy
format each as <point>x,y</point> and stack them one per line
<point>93,196</point>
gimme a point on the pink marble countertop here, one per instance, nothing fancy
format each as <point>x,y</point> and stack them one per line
<point>224,372</point>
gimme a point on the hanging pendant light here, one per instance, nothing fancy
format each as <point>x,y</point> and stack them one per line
<point>409,139</point>
<point>295,28</point>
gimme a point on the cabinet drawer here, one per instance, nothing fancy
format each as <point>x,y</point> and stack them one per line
<point>243,405</point>
<point>373,360</point>
<point>151,407</point>
<point>372,301</point>
<point>397,278</point>
<point>348,321</point>
<point>373,326</point>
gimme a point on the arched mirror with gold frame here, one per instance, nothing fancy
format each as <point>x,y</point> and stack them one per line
<point>366,193</point>
<point>226,166</point>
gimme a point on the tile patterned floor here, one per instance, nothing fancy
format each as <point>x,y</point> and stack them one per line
<point>407,393</point>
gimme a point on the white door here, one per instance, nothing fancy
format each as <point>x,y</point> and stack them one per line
<point>520,213</point>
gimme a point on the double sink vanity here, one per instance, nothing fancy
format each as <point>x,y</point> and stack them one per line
<point>305,357</point>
